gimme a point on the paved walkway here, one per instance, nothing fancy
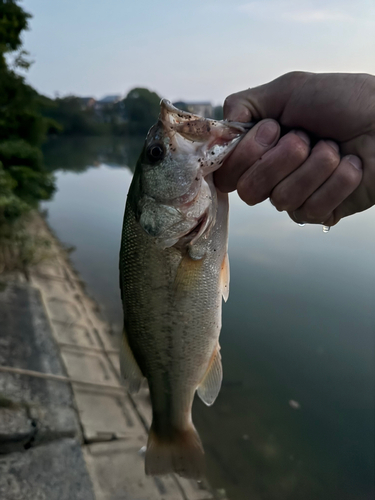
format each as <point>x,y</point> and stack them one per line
<point>40,437</point>
<point>114,425</point>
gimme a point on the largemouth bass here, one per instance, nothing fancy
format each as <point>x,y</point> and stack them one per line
<point>174,272</point>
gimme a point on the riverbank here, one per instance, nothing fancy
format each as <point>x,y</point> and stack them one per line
<point>112,426</point>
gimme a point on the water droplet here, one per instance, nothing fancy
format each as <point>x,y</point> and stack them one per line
<point>142,451</point>
<point>301,224</point>
<point>326,229</point>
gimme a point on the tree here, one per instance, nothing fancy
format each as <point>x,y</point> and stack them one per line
<point>23,180</point>
<point>68,117</point>
<point>141,110</point>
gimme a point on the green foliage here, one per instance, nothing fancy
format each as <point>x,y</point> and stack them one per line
<point>23,179</point>
<point>218,113</point>
<point>13,20</point>
<point>20,110</point>
<point>141,110</point>
<point>19,152</point>
<point>11,206</point>
<point>67,115</point>
<point>22,246</point>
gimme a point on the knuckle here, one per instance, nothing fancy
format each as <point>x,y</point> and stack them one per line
<point>295,77</point>
<point>296,146</point>
<point>348,177</point>
<point>282,200</point>
<point>325,154</point>
<point>246,193</point>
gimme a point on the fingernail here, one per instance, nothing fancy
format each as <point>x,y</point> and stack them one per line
<point>333,145</point>
<point>303,136</point>
<point>267,133</point>
<point>355,161</point>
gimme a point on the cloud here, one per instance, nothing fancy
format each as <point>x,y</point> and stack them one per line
<point>297,11</point>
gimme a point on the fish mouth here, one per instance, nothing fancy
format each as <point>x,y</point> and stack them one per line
<point>170,113</point>
<point>211,140</point>
<point>193,126</point>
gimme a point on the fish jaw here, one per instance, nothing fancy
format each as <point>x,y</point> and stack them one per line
<point>176,193</point>
<point>209,141</point>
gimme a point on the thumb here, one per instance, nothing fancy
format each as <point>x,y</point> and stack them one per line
<point>265,101</point>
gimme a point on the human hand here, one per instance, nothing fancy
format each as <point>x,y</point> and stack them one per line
<point>333,179</point>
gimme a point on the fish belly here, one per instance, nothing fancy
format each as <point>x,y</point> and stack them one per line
<point>172,318</point>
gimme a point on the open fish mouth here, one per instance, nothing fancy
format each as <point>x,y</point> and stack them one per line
<point>189,124</point>
<point>211,140</point>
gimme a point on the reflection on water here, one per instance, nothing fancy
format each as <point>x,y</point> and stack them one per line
<point>78,153</point>
<point>295,417</point>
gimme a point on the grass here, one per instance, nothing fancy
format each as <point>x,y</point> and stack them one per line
<point>21,247</point>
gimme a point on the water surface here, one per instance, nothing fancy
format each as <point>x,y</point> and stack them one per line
<point>295,416</point>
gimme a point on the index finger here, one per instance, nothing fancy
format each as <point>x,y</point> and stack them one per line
<point>236,108</point>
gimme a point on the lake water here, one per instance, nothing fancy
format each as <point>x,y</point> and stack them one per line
<point>295,416</point>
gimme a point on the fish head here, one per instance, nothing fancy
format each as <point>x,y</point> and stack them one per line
<point>181,151</point>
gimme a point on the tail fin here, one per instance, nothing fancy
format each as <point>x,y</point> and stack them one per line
<point>181,453</point>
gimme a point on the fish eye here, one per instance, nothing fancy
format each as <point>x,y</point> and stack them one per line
<point>155,152</point>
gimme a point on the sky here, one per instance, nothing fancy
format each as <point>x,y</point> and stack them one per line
<point>192,49</point>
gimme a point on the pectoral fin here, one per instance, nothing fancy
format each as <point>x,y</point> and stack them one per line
<point>224,278</point>
<point>129,367</point>
<point>187,275</point>
<point>210,386</point>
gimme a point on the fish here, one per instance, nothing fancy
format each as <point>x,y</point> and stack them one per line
<point>174,272</point>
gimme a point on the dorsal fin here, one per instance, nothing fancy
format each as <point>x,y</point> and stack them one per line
<point>224,278</point>
<point>129,367</point>
<point>209,388</point>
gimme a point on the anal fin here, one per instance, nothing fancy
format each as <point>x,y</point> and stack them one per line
<point>209,388</point>
<point>129,367</point>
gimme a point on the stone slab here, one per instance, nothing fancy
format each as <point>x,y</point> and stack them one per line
<point>55,471</point>
<point>26,341</point>
<point>16,428</point>
<point>108,339</point>
<point>73,333</point>
<point>108,415</point>
<point>115,360</point>
<point>51,286</point>
<point>63,310</point>
<point>51,268</point>
<point>117,471</point>
<point>89,366</point>
<point>194,490</point>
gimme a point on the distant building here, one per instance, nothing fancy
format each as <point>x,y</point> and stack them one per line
<point>108,100</point>
<point>201,108</point>
<point>87,102</point>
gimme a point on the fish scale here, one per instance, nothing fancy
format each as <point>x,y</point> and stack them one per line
<point>173,274</point>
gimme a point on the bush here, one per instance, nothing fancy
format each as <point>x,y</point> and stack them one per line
<point>23,180</point>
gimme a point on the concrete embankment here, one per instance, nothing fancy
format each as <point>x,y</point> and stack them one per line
<point>80,437</point>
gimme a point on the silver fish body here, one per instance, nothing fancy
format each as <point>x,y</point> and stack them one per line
<point>174,272</point>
